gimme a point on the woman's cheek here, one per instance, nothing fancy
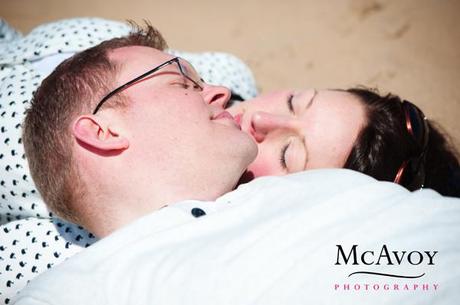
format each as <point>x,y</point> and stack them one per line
<point>264,167</point>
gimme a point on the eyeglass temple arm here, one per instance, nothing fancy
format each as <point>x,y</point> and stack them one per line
<point>122,87</point>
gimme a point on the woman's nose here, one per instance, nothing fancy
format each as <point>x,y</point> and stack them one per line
<point>264,123</point>
<point>216,95</point>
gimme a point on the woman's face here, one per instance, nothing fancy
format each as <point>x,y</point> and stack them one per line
<point>299,130</point>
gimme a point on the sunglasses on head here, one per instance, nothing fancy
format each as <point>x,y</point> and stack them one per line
<point>411,173</point>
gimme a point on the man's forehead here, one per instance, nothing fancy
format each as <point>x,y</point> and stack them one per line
<point>135,60</point>
<point>138,53</point>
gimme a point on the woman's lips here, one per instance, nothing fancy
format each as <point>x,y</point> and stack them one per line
<point>238,118</point>
<point>249,129</point>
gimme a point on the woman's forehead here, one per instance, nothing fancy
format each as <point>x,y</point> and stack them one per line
<point>336,118</point>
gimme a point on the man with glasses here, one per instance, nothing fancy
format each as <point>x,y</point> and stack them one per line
<point>123,129</point>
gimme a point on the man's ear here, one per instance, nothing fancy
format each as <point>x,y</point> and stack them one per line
<point>96,134</point>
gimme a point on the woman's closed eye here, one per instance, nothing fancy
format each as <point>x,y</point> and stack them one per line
<point>293,155</point>
<point>282,158</point>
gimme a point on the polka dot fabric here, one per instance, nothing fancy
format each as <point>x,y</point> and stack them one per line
<point>18,81</point>
<point>31,239</point>
<point>18,195</point>
<point>7,33</point>
<point>32,245</point>
<point>70,35</point>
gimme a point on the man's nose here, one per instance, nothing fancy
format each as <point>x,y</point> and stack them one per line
<point>216,95</point>
<point>264,123</point>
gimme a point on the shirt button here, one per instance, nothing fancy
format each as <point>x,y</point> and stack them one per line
<point>197,212</point>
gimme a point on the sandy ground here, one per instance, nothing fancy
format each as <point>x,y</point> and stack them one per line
<point>409,47</point>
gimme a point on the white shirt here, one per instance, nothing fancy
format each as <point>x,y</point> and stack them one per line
<point>272,241</point>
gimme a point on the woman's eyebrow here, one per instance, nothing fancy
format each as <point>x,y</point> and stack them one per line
<point>311,100</point>
<point>304,143</point>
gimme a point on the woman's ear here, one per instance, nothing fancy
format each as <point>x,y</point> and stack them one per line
<point>95,133</point>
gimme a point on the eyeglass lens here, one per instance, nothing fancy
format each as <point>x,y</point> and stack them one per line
<point>189,72</point>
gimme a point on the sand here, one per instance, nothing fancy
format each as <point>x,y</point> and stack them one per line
<point>408,47</point>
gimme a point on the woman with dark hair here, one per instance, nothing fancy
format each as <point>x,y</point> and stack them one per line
<point>379,135</point>
<point>399,144</point>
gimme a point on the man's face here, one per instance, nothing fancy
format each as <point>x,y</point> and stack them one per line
<point>177,132</point>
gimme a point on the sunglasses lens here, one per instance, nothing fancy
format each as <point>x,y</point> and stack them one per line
<point>417,123</point>
<point>413,175</point>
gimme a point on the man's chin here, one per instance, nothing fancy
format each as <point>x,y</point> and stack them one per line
<point>246,177</point>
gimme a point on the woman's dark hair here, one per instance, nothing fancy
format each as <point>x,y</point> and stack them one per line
<point>384,144</point>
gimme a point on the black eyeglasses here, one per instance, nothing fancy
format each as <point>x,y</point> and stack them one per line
<point>185,70</point>
<point>411,173</point>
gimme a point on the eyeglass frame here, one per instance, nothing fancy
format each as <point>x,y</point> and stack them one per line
<point>420,159</point>
<point>144,75</point>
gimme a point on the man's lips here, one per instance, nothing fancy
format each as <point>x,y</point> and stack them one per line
<point>225,115</point>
